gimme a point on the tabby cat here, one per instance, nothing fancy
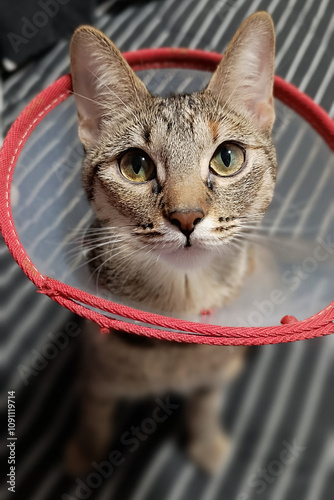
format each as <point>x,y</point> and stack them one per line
<point>173,183</point>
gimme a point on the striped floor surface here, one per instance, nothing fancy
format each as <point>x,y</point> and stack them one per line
<point>280,412</point>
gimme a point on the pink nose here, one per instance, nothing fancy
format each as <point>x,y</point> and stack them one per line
<point>186,221</point>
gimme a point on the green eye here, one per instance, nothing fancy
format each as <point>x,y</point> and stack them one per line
<point>228,159</point>
<point>137,166</point>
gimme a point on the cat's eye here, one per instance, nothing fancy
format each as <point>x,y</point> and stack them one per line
<point>137,166</point>
<point>228,159</point>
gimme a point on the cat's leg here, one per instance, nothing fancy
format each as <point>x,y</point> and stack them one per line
<point>208,444</point>
<point>94,429</point>
<point>93,435</point>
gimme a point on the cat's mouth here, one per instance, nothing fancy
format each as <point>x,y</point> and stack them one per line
<point>187,243</point>
<point>186,251</point>
<point>191,254</point>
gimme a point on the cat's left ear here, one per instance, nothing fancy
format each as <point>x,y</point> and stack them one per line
<point>244,78</point>
<point>104,84</point>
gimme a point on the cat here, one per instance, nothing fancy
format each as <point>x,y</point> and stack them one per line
<point>173,183</point>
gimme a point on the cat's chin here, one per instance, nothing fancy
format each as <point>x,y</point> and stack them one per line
<point>188,258</point>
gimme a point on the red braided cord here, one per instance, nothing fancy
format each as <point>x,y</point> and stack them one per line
<point>318,325</point>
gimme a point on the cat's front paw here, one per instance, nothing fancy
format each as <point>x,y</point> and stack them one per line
<point>77,462</point>
<point>209,452</point>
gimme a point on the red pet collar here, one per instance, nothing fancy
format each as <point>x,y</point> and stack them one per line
<point>109,314</point>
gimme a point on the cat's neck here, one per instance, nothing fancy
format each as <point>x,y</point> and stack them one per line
<point>157,286</point>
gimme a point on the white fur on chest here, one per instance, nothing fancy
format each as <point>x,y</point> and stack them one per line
<point>164,288</point>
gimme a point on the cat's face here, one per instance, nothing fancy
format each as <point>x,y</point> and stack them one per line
<point>178,176</point>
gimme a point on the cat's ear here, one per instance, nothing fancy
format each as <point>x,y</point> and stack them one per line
<point>103,82</point>
<point>244,77</point>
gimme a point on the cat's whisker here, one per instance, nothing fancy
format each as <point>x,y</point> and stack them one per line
<point>86,262</point>
<point>293,205</point>
<point>99,268</point>
<point>233,243</point>
<point>92,236</point>
<point>126,256</point>
<point>251,217</point>
<point>253,234</point>
<point>99,255</point>
<point>251,225</point>
<point>243,240</point>
<point>87,242</point>
<point>266,229</point>
<point>256,219</point>
<point>95,236</point>
<point>259,238</point>
<point>248,225</point>
<point>97,227</point>
<point>255,231</point>
<point>91,239</point>
<point>85,249</point>
<point>100,229</point>
<point>101,239</point>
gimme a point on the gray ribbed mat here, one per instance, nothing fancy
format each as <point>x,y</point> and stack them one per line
<point>280,412</point>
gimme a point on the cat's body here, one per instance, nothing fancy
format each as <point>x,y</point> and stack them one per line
<point>173,182</point>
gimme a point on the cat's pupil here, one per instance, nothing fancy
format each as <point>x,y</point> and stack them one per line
<point>137,163</point>
<point>225,155</point>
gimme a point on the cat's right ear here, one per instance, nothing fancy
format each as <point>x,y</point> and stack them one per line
<point>103,82</point>
<point>245,76</point>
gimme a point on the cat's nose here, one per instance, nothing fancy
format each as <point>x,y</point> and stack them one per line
<point>186,221</point>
